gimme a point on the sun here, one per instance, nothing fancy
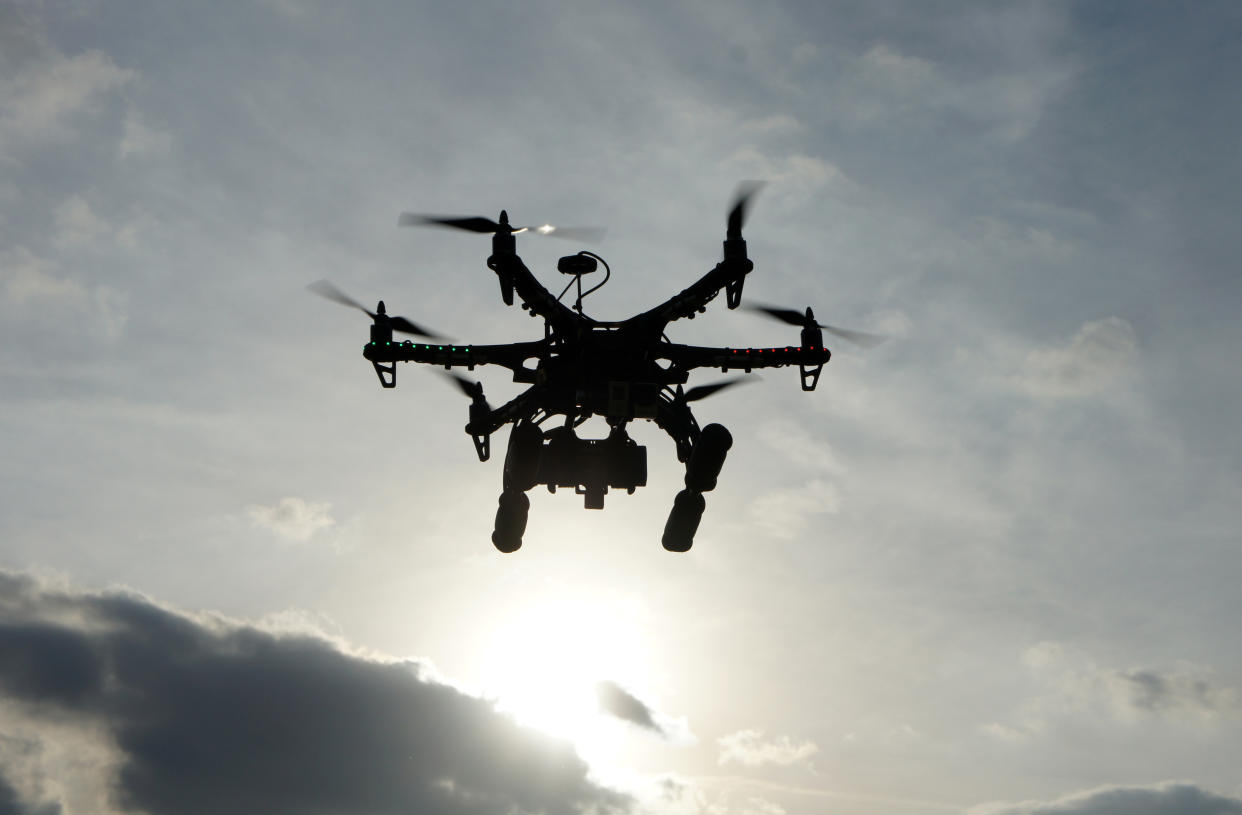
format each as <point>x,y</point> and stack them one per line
<point>543,663</point>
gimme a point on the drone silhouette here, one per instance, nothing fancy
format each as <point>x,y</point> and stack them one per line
<point>583,367</point>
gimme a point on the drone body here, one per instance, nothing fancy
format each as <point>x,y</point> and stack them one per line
<point>620,371</point>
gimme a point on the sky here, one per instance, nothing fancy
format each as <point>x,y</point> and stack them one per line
<point>989,567</point>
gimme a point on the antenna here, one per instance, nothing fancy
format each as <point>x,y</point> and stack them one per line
<point>578,265</point>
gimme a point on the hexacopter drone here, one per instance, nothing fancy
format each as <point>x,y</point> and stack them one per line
<point>583,367</point>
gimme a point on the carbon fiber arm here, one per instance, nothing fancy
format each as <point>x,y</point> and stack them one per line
<point>514,276</point>
<point>690,301</point>
<point>687,357</point>
<point>511,355</point>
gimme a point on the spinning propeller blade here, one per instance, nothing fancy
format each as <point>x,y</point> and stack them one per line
<point>587,234</point>
<point>470,387</point>
<point>483,225</point>
<point>330,292</point>
<point>798,318</point>
<point>406,327</point>
<point>326,290</point>
<point>741,201</point>
<point>703,391</point>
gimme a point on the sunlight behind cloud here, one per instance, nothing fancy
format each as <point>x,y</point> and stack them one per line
<point>544,666</point>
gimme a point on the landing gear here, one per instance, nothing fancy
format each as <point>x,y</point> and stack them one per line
<point>683,521</point>
<point>708,457</point>
<point>702,470</point>
<point>510,521</point>
<point>522,459</point>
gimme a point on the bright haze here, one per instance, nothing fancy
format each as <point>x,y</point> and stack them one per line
<point>989,566</point>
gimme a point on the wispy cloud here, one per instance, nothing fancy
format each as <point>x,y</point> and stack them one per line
<point>1092,360</point>
<point>291,518</point>
<point>1073,685</point>
<point>751,748</point>
<point>785,512</point>
<point>1169,798</point>
<point>45,89</point>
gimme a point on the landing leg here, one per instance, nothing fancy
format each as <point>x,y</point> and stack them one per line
<point>702,469</point>
<point>707,458</point>
<point>510,521</point>
<point>683,521</point>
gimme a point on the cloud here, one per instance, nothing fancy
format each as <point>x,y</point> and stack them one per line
<point>798,446</point>
<point>10,803</point>
<point>1169,798</point>
<point>293,519</point>
<point>77,223</point>
<point>28,278</point>
<point>619,702</point>
<point>140,139</point>
<point>886,66</point>
<point>1176,692</point>
<point>45,88</point>
<point>1072,685</point>
<point>1180,691</point>
<point>785,512</point>
<point>1091,361</point>
<point>794,176</point>
<point>671,795</point>
<point>749,748</point>
<point>203,715</point>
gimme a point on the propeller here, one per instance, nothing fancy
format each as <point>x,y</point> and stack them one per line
<point>741,202</point>
<point>470,387</point>
<point>330,292</point>
<point>807,320</point>
<point>588,234</point>
<point>703,391</point>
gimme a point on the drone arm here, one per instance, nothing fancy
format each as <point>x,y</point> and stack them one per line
<point>728,274</point>
<point>484,421</point>
<point>514,276</point>
<point>809,359</point>
<point>522,405</point>
<point>511,356</point>
<point>674,418</point>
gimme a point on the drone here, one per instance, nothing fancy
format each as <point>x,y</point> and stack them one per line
<point>622,371</point>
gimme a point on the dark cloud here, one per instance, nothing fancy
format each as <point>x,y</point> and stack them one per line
<point>47,662</point>
<point>619,702</point>
<point>8,799</point>
<point>1162,799</point>
<point>1154,691</point>
<point>209,716</point>
<point>10,803</point>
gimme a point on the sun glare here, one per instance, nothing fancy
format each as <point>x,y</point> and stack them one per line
<point>543,664</point>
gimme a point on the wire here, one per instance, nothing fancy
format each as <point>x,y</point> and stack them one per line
<point>578,279</point>
<point>607,273</point>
